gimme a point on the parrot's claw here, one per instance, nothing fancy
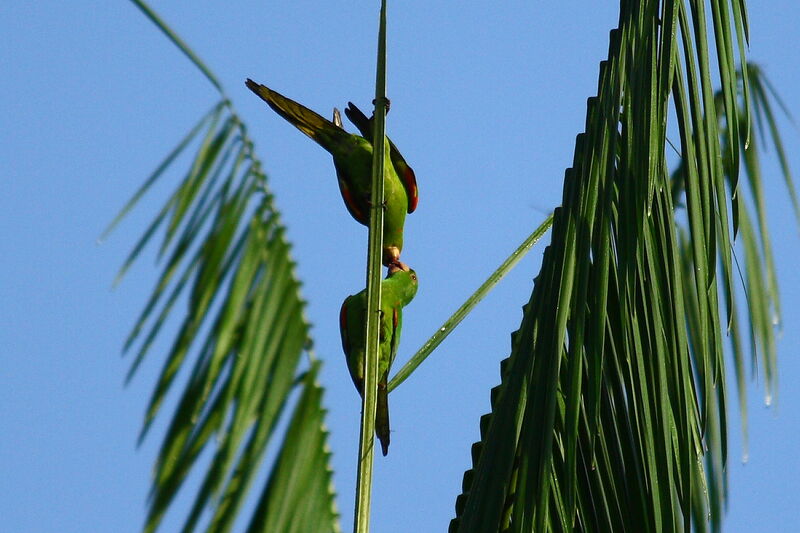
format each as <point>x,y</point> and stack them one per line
<point>386,101</point>
<point>384,204</point>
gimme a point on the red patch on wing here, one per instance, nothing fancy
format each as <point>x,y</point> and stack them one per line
<point>352,205</point>
<point>410,183</point>
<point>394,319</point>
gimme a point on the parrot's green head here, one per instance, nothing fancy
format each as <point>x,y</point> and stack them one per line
<point>405,279</point>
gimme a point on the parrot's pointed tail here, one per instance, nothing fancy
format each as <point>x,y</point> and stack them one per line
<point>382,418</point>
<point>325,132</point>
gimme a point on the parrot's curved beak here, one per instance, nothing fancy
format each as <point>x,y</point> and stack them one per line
<point>398,265</point>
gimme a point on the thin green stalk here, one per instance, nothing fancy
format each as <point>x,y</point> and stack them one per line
<point>451,323</point>
<point>366,450</point>
<point>182,46</point>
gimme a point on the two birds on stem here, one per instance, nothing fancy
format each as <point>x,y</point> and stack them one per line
<point>352,159</point>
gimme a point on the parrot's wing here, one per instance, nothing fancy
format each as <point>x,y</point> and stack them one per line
<point>404,171</point>
<point>343,327</point>
<point>407,176</point>
<point>322,130</point>
<point>397,324</point>
<point>348,328</point>
<point>356,206</point>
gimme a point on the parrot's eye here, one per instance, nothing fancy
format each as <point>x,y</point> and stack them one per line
<point>414,277</point>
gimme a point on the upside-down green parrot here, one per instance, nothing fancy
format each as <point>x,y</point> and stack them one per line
<point>364,126</point>
<point>352,158</point>
<point>397,290</point>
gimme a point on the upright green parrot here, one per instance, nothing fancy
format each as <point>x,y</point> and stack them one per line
<point>397,290</point>
<point>352,158</point>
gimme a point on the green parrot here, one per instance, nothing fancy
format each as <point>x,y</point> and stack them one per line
<point>364,125</point>
<point>352,158</point>
<point>397,290</point>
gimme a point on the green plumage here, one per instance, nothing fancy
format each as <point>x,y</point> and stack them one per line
<point>397,290</point>
<point>352,158</point>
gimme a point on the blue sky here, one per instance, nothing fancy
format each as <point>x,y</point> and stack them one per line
<point>486,103</point>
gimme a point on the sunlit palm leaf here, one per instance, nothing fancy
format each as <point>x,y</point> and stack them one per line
<point>611,412</point>
<point>284,504</point>
<point>240,343</point>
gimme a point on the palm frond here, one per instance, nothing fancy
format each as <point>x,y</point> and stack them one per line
<point>240,342</point>
<point>291,500</point>
<point>611,412</point>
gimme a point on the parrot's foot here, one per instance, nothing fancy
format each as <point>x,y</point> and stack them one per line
<point>386,101</point>
<point>369,203</point>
